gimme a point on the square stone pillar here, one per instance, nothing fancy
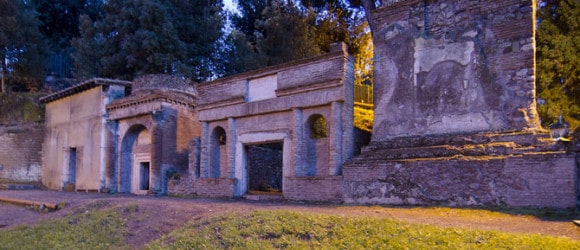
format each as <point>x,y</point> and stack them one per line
<point>336,146</point>
<point>204,155</point>
<point>297,142</point>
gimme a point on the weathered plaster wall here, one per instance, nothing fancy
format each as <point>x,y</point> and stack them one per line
<point>21,152</point>
<point>76,122</point>
<point>453,66</point>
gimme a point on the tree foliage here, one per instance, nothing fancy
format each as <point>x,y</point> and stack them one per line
<point>558,61</point>
<point>60,19</point>
<point>268,32</point>
<point>22,48</point>
<point>137,37</point>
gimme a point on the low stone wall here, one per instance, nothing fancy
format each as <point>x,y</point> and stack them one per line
<point>215,187</point>
<point>184,186</point>
<point>314,188</point>
<point>21,152</point>
<point>539,180</point>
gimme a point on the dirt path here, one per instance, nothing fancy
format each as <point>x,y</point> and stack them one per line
<point>163,214</point>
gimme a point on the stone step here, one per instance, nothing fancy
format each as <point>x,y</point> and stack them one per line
<point>264,197</point>
<point>525,138</point>
<point>497,148</point>
<point>17,186</point>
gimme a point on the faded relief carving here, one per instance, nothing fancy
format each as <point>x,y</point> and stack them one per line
<point>441,90</point>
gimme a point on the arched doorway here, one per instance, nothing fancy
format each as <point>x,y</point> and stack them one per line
<point>135,163</point>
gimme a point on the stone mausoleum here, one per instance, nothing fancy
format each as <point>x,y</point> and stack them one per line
<point>455,110</point>
<point>455,122</point>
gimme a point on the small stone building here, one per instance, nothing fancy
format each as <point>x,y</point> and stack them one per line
<point>100,138</point>
<point>76,145</point>
<point>152,129</point>
<point>302,109</point>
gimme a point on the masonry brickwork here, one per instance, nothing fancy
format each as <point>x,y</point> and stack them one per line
<point>279,104</point>
<point>455,121</point>
<point>154,126</point>
<point>21,152</point>
<point>455,118</point>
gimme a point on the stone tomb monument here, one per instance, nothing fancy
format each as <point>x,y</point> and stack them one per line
<point>455,110</point>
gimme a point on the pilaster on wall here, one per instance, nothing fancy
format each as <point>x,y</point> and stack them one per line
<point>204,157</point>
<point>336,145</point>
<point>232,140</point>
<point>157,175</point>
<point>298,143</point>
<point>112,130</point>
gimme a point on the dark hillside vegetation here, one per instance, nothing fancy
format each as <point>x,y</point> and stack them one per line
<point>20,108</point>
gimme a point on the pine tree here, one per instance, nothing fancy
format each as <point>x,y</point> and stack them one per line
<point>60,24</point>
<point>558,61</point>
<point>21,46</point>
<point>286,33</point>
<point>138,37</point>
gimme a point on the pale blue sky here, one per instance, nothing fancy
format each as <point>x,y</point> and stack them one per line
<point>229,4</point>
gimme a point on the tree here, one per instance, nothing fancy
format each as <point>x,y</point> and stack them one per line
<point>337,22</point>
<point>137,37</point>
<point>558,61</point>
<point>60,24</point>
<point>61,19</point>
<point>21,45</point>
<point>272,32</point>
<point>250,11</point>
<point>286,34</point>
<point>88,53</point>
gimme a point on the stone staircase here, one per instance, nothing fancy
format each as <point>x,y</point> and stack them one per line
<point>458,145</point>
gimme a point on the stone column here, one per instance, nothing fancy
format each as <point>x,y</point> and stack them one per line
<point>335,138</point>
<point>232,138</point>
<point>297,143</point>
<point>194,155</point>
<point>204,157</point>
<point>156,159</point>
<point>112,159</point>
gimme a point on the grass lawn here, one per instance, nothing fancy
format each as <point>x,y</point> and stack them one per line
<point>90,228</point>
<point>291,230</point>
<point>103,227</point>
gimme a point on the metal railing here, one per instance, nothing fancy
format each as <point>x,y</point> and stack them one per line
<point>363,94</point>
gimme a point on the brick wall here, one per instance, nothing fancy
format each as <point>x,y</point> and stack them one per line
<point>540,180</point>
<point>21,152</point>
<point>314,188</point>
<point>215,187</point>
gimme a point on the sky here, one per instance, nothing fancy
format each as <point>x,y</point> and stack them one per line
<point>230,4</point>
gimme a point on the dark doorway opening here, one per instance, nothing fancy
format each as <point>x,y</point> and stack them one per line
<point>265,165</point>
<point>144,175</point>
<point>72,170</point>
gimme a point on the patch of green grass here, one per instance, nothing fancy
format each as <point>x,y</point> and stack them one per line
<point>284,229</point>
<point>93,227</point>
<point>364,119</point>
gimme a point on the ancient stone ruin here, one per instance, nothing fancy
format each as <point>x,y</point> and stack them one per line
<point>455,117</point>
<point>455,122</point>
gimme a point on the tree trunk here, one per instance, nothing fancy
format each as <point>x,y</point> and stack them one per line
<point>3,66</point>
